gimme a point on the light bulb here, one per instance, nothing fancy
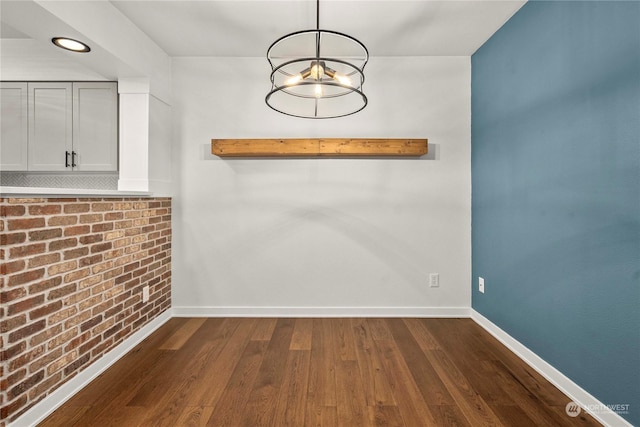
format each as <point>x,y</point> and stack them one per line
<point>318,91</point>
<point>340,78</point>
<point>293,80</point>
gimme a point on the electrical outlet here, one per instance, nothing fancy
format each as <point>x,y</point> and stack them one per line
<point>145,294</point>
<point>434,280</point>
<point>481,285</point>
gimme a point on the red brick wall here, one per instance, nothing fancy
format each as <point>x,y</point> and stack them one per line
<point>73,271</point>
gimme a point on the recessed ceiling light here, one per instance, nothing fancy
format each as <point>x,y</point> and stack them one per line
<point>70,44</point>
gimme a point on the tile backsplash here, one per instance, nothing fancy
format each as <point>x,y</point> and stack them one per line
<point>94,181</point>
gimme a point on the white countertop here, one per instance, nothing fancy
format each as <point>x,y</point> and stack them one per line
<point>74,192</point>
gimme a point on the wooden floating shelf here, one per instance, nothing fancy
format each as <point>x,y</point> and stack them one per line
<point>328,147</point>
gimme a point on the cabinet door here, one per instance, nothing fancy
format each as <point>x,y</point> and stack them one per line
<point>13,126</point>
<point>50,126</point>
<point>95,126</point>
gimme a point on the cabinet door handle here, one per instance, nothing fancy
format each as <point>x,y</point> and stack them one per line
<point>66,159</point>
<point>73,159</point>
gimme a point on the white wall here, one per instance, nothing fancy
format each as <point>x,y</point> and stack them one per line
<point>160,147</point>
<point>299,236</point>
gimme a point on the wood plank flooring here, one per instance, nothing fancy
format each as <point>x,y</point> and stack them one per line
<point>318,372</point>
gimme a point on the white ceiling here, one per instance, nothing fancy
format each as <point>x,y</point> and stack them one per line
<point>387,27</point>
<point>238,28</point>
<point>8,32</point>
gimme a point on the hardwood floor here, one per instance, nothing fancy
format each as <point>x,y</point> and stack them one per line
<point>318,372</point>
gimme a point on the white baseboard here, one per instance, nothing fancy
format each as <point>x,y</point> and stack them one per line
<point>321,311</point>
<point>46,406</point>
<point>577,394</point>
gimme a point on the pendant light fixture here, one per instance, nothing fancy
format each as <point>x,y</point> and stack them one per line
<point>317,74</point>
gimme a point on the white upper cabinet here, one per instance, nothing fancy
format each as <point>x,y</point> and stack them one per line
<point>59,126</point>
<point>95,126</point>
<point>50,127</point>
<point>13,126</point>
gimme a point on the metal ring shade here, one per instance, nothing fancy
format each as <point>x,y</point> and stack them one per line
<point>336,92</point>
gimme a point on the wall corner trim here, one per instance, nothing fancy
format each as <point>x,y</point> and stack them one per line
<point>576,393</point>
<point>46,406</point>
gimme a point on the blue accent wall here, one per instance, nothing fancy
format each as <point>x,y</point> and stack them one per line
<point>556,189</point>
